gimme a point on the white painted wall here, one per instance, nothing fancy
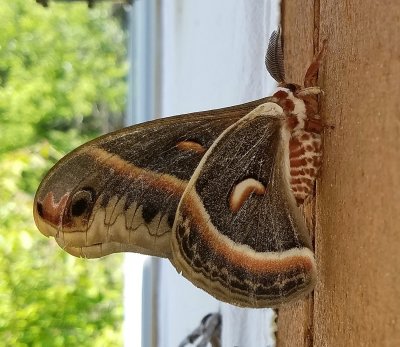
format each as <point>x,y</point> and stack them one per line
<point>212,56</point>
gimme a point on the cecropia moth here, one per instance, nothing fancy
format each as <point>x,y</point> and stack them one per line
<point>216,192</point>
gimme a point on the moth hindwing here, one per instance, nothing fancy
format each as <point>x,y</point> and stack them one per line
<point>216,192</point>
<point>237,232</point>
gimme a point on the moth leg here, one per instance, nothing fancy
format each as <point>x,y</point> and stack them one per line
<point>310,79</point>
<point>314,125</point>
<point>310,91</point>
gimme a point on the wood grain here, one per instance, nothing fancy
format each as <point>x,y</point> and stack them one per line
<point>295,321</point>
<point>357,235</point>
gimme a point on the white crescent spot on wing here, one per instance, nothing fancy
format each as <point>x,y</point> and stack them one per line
<point>243,190</point>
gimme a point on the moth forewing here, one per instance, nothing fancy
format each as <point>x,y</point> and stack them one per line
<point>256,255</point>
<point>120,192</point>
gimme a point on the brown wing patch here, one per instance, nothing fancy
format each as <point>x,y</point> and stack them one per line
<point>191,146</point>
<point>234,272</point>
<point>237,254</point>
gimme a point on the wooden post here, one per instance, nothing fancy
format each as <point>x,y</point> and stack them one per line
<point>355,216</point>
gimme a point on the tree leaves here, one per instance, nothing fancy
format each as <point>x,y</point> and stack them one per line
<point>58,67</point>
<point>55,64</point>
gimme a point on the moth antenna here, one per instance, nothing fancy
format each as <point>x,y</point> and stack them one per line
<point>274,56</point>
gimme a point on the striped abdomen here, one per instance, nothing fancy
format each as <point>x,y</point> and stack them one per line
<point>305,162</point>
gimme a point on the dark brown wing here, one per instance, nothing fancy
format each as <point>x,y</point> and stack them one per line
<point>120,192</point>
<point>238,233</point>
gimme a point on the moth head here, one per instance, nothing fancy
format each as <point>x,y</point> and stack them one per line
<point>296,100</point>
<point>293,88</point>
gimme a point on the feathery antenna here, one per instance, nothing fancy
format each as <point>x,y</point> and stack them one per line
<point>274,57</point>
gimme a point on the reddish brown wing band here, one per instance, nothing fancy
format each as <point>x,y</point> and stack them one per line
<point>258,255</point>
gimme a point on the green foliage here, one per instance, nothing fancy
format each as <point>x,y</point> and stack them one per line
<point>47,297</point>
<point>58,68</point>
